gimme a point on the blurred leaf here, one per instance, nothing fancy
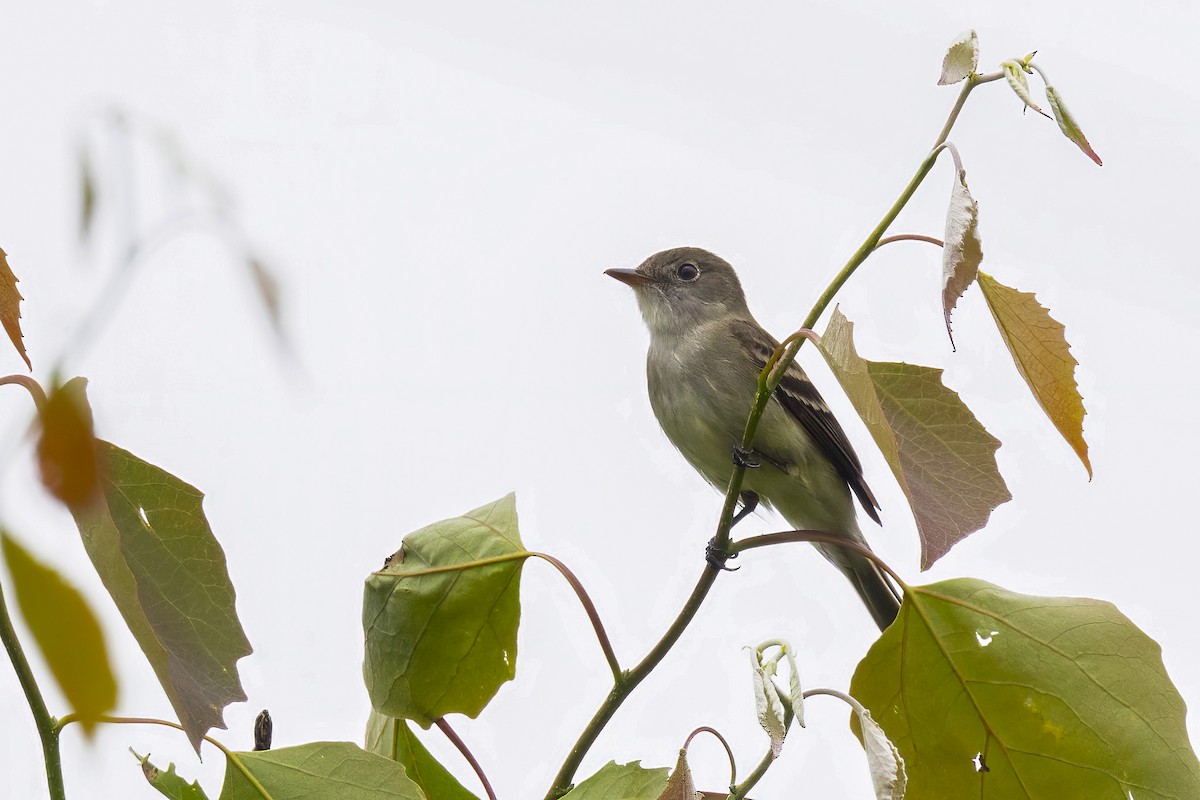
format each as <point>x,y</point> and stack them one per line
<point>392,738</point>
<point>157,556</point>
<point>87,194</point>
<point>961,59</point>
<point>962,252</point>
<point>1069,126</point>
<point>1015,73</point>
<point>991,693</point>
<point>441,617</point>
<point>680,785</point>
<point>621,782</point>
<point>267,286</point>
<point>318,771</point>
<point>941,456</point>
<point>883,760</point>
<point>1039,348</point>
<point>168,783</point>
<point>767,703</point>
<point>66,448</point>
<point>10,307</point>
<point>66,633</point>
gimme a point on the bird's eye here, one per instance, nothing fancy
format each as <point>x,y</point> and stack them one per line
<point>687,272</point>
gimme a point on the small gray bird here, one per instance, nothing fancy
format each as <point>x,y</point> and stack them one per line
<point>706,352</point>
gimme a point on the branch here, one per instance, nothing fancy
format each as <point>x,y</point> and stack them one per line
<point>824,537</point>
<point>445,728</point>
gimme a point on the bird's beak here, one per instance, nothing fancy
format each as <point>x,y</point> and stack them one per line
<point>629,277</point>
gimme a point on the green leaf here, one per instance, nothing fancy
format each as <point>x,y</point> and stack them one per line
<point>962,252</point>
<point>941,456</point>
<point>318,771</point>
<point>961,59</point>
<point>168,783</point>
<point>1038,345</point>
<point>990,693</point>
<point>1015,73</point>
<point>66,447</point>
<point>157,556</point>
<point>66,633</point>
<point>1069,126</point>
<point>10,308</point>
<point>621,782</point>
<point>441,617</point>
<point>392,738</point>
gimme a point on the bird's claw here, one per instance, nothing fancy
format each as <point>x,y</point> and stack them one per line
<point>717,558</point>
<point>744,457</point>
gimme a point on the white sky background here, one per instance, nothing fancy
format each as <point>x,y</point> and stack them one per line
<point>440,190</point>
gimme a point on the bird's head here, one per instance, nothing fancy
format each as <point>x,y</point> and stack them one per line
<point>684,287</point>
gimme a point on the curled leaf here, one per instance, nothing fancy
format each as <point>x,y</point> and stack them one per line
<point>1069,126</point>
<point>1039,348</point>
<point>961,59</point>
<point>883,759</point>
<point>795,692</point>
<point>1015,73</point>
<point>10,307</point>
<point>962,252</point>
<point>66,447</point>
<point>680,786</point>
<point>168,783</point>
<point>66,632</point>
<point>943,459</point>
<point>767,703</point>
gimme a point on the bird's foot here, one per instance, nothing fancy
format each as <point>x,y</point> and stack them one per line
<point>749,503</point>
<point>717,558</point>
<point>744,457</point>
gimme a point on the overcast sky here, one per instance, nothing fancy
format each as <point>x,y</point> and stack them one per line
<point>440,188</point>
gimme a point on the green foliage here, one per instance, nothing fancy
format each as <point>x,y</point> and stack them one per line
<point>393,738</point>
<point>66,632</point>
<point>441,617</point>
<point>156,554</point>
<point>317,771</point>
<point>168,783</point>
<point>942,457</point>
<point>1048,692</point>
<point>622,782</point>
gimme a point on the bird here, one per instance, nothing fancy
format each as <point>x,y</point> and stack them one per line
<point>706,353</point>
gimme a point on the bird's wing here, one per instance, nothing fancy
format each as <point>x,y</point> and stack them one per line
<point>797,394</point>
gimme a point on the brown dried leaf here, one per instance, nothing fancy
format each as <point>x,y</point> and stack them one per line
<point>963,252</point>
<point>10,307</point>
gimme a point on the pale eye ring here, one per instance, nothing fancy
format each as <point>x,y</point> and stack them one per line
<point>687,272</point>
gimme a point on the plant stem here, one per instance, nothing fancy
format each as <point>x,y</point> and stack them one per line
<point>728,750</point>
<point>445,728</point>
<point>590,609</point>
<point>47,730</point>
<point>909,237</point>
<point>824,537</point>
<point>768,379</point>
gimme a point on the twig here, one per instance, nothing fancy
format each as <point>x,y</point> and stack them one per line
<point>590,608</point>
<point>445,728</point>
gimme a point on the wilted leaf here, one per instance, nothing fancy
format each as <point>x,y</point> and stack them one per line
<point>991,693</point>
<point>66,633</point>
<point>66,447</point>
<point>767,704</point>
<point>168,783</point>
<point>962,252</point>
<point>1069,126</point>
<point>941,456</point>
<point>10,307</point>
<point>1039,348</point>
<point>1016,75</point>
<point>883,759</point>
<point>961,59</point>
<point>795,691</point>
<point>621,782</point>
<point>392,738</point>
<point>680,785</point>
<point>441,617</point>
<point>155,553</point>
<point>319,771</point>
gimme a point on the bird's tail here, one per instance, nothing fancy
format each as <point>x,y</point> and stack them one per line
<point>878,593</point>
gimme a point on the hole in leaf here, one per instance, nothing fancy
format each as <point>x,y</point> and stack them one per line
<point>985,639</point>
<point>142,515</point>
<point>980,764</point>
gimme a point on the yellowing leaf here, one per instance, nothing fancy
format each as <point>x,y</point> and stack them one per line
<point>66,632</point>
<point>1039,348</point>
<point>961,59</point>
<point>66,446</point>
<point>941,456</point>
<point>10,307</point>
<point>1015,74</point>
<point>1069,126</point>
<point>962,252</point>
<point>990,693</point>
